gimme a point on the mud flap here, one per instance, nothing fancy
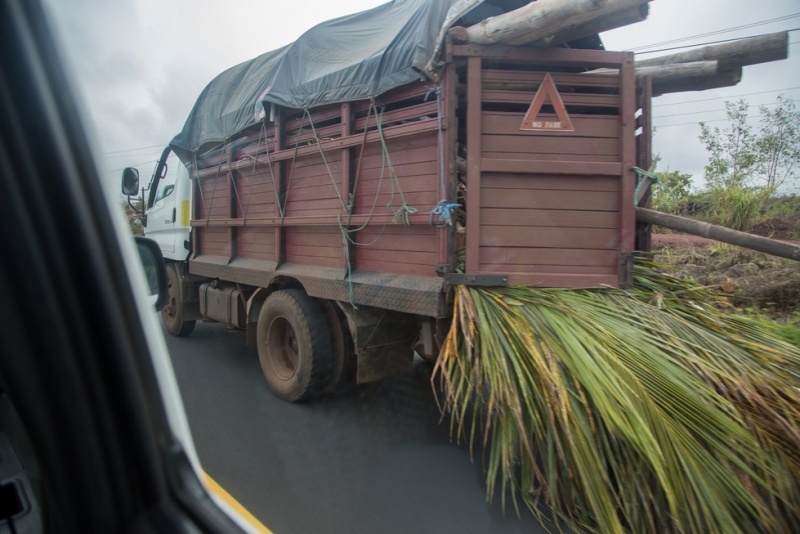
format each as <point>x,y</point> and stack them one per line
<point>383,341</point>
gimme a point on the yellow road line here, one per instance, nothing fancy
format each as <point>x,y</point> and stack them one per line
<point>233,503</point>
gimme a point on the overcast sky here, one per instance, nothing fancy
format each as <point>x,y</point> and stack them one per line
<point>140,64</point>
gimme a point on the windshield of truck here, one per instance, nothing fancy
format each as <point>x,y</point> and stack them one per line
<point>342,231</point>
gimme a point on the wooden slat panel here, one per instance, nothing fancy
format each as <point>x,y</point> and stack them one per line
<point>549,218</point>
<point>419,168</point>
<point>324,132</point>
<point>551,145</point>
<point>570,99</point>
<point>313,260</point>
<point>410,184</point>
<point>407,257</point>
<point>388,243</point>
<point>396,268</point>
<point>320,246</point>
<point>256,235</point>
<point>420,200</point>
<point>401,156</point>
<point>502,123</point>
<point>405,92</point>
<point>317,252</point>
<point>505,256</point>
<point>550,269</point>
<point>541,56</point>
<point>509,236</point>
<point>569,183</point>
<point>406,113</point>
<point>533,157</point>
<point>561,79</point>
<point>521,166</point>
<point>561,280</point>
<point>318,115</point>
<point>330,205</point>
<point>213,241</point>
<point>318,192</point>
<point>395,146</point>
<point>548,199</point>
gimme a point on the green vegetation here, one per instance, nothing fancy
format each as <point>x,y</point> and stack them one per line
<point>134,219</point>
<point>647,410</point>
<point>747,168</point>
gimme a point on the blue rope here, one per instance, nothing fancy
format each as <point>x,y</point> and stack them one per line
<point>443,209</point>
<point>639,174</point>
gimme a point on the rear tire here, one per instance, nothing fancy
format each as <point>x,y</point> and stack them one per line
<point>172,313</point>
<point>344,364</point>
<point>294,345</point>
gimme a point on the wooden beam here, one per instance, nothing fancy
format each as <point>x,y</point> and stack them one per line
<point>543,18</point>
<point>750,51</point>
<point>720,233</point>
<point>667,72</point>
<point>726,78</point>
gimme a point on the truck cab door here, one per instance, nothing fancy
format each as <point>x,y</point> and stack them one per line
<point>168,221</point>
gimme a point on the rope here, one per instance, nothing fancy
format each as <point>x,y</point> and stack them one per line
<point>405,211</point>
<point>325,160</point>
<point>639,174</point>
<point>253,171</point>
<point>199,185</point>
<point>443,210</point>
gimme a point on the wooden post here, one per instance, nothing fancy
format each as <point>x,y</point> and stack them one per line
<point>474,113</point>
<point>720,233</point>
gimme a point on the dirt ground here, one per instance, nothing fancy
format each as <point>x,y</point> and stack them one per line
<point>750,278</point>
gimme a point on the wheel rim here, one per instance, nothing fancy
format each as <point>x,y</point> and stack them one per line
<point>282,348</point>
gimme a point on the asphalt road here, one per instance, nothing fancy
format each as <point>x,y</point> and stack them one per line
<point>375,459</point>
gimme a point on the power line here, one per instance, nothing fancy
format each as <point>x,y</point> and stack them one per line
<point>134,165</point>
<point>689,123</point>
<point>706,111</point>
<point>705,44</point>
<point>724,97</point>
<point>132,149</point>
<point>717,32</point>
<point>133,155</point>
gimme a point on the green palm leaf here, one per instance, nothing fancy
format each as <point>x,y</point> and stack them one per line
<point>642,411</point>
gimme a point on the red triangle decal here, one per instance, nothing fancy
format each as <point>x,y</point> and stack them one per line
<point>531,120</point>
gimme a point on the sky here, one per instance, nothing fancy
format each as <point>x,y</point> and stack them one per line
<point>139,65</point>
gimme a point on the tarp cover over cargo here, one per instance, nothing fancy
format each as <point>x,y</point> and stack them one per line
<point>349,58</point>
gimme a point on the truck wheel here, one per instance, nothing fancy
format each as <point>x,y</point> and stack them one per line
<point>294,345</point>
<point>172,313</point>
<point>343,366</point>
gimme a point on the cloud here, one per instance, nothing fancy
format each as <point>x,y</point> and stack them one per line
<point>141,64</point>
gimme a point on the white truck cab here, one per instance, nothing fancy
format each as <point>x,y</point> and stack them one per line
<point>167,219</point>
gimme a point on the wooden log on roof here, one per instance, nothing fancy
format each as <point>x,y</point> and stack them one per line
<point>724,78</point>
<point>542,19</point>
<point>749,51</point>
<point>678,71</point>
<point>615,20</point>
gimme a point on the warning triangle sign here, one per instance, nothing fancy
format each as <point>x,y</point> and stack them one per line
<point>531,120</point>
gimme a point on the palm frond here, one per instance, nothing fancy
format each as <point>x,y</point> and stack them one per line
<point>642,411</point>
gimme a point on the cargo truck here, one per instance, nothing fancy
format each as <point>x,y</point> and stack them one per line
<point>325,197</point>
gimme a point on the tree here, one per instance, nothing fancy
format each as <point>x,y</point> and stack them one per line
<point>671,191</point>
<point>740,157</point>
<point>733,151</point>
<point>779,143</point>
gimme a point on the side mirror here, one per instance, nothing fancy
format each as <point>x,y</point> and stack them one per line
<point>154,269</point>
<point>130,182</point>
